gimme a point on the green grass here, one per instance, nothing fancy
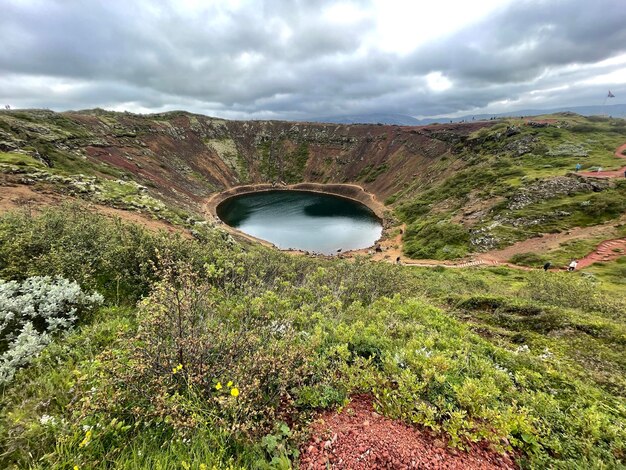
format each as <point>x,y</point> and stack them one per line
<point>278,164</point>
<point>528,360</point>
<point>562,213</point>
<point>491,171</point>
<point>561,256</point>
<point>369,173</point>
<point>20,160</point>
<point>295,163</point>
<point>435,240</point>
<point>612,275</point>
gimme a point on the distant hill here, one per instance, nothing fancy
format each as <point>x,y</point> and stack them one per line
<point>375,118</point>
<point>615,110</point>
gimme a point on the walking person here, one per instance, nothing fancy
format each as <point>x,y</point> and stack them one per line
<point>547,266</point>
<point>572,265</point>
<point>578,167</point>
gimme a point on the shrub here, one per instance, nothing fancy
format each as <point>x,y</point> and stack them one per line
<point>606,205</point>
<point>443,240</point>
<point>117,259</point>
<point>570,290</point>
<point>31,312</point>
<point>199,359</point>
<point>584,128</point>
<point>412,210</point>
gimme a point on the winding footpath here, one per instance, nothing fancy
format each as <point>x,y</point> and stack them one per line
<point>607,250</point>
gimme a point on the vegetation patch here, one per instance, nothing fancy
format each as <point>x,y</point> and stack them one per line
<point>511,159</point>
<point>436,240</point>
<point>369,173</point>
<point>232,348</point>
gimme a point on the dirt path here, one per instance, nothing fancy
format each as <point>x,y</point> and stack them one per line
<point>359,438</point>
<point>610,173</point>
<point>24,197</point>
<point>392,249</point>
<point>608,250</point>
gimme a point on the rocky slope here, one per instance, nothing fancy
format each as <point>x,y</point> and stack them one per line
<point>184,157</point>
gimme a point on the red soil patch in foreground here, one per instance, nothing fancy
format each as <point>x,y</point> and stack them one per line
<point>360,438</point>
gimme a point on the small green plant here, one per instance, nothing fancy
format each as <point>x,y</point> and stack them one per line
<point>528,259</point>
<point>280,453</point>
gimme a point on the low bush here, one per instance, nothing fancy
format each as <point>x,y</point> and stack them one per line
<point>199,359</point>
<point>119,260</point>
<point>441,240</point>
<point>501,304</point>
<point>32,312</point>
<point>568,290</point>
<point>528,259</point>
<point>233,347</point>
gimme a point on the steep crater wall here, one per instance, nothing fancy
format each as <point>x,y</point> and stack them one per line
<point>185,158</point>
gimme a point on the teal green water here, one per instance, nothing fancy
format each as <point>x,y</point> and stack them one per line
<point>303,220</point>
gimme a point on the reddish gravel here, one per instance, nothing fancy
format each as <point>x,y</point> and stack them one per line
<point>605,251</point>
<point>359,438</point>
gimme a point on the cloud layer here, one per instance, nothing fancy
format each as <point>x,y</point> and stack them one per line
<point>306,58</point>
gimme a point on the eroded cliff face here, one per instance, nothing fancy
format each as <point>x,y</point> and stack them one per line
<point>184,158</point>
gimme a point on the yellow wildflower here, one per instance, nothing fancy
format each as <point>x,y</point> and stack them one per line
<point>202,466</point>
<point>86,440</point>
<point>230,383</point>
<point>234,392</point>
<point>218,386</point>
<point>76,467</point>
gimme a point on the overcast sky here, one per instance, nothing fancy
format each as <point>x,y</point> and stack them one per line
<point>285,59</point>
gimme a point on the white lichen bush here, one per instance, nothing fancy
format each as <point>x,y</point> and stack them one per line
<point>32,312</point>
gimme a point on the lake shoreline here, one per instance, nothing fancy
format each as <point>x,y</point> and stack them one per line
<point>349,192</point>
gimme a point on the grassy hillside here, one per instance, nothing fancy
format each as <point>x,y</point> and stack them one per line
<point>209,353</point>
<point>460,188</point>
<point>515,180</point>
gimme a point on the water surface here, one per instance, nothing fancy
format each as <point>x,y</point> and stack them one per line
<point>320,223</point>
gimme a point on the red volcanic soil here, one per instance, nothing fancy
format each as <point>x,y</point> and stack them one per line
<point>359,438</point>
<point>605,251</point>
<point>25,197</point>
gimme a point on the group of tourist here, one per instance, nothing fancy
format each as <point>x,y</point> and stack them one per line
<point>571,267</point>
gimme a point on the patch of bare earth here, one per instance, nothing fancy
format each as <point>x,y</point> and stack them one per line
<point>608,250</point>
<point>24,197</point>
<point>359,438</point>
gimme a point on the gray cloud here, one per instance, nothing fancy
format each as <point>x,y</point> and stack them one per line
<point>287,60</point>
